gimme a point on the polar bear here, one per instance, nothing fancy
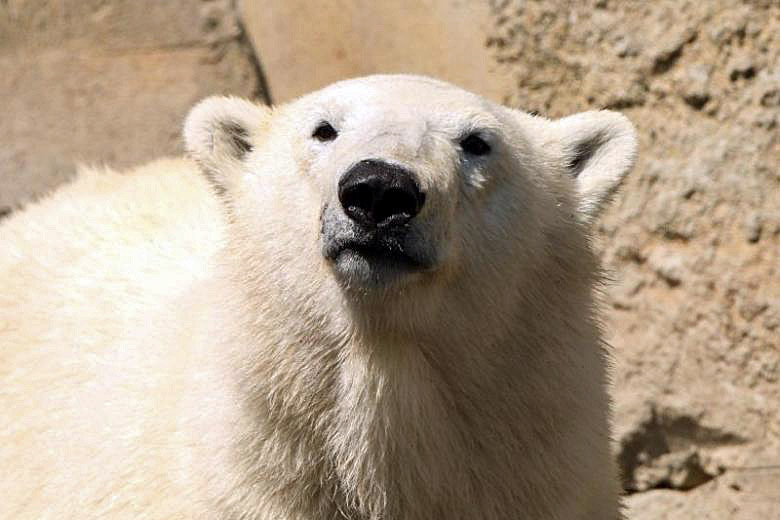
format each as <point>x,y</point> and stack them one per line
<point>375,302</point>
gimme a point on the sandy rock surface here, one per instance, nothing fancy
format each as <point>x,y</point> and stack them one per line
<point>107,82</point>
<point>305,45</point>
<point>692,244</point>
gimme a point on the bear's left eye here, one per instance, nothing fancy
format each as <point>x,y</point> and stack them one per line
<point>473,144</point>
<point>325,132</point>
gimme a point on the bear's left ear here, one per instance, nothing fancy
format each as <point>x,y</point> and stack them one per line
<point>598,148</point>
<point>220,131</point>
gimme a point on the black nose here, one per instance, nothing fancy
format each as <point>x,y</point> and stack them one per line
<point>380,194</point>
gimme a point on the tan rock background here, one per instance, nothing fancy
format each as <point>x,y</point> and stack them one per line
<point>107,81</point>
<point>692,244</point>
<point>308,44</point>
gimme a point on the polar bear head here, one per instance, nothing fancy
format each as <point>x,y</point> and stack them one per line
<point>403,185</point>
<point>408,275</point>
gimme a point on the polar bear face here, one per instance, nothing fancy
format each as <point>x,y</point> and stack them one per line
<point>402,181</point>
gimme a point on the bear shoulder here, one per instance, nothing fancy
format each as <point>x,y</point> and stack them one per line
<point>97,281</point>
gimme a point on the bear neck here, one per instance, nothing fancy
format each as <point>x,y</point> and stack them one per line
<point>338,420</point>
<point>355,426</point>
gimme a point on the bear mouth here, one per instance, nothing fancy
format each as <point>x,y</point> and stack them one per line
<point>373,263</point>
<point>363,256</point>
<point>381,254</point>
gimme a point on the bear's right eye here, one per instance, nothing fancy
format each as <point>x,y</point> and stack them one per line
<point>324,132</point>
<point>473,144</point>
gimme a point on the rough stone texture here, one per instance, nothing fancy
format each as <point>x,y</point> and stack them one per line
<point>693,243</point>
<point>307,44</point>
<point>107,82</point>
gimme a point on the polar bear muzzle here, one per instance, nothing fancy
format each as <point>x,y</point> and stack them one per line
<point>371,238</point>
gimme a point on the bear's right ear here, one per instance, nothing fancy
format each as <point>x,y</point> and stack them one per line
<point>220,131</point>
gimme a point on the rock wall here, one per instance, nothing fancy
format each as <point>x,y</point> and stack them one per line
<point>307,44</point>
<point>110,82</point>
<point>692,243</point>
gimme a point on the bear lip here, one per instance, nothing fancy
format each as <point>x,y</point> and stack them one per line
<point>378,253</point>
<point>381,253</point>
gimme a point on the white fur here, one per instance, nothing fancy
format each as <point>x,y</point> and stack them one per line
<point>609,141</point>
<point>169,353</point>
